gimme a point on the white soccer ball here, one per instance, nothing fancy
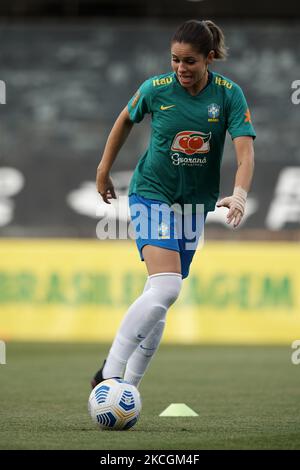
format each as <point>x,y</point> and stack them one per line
<point>115,404</point>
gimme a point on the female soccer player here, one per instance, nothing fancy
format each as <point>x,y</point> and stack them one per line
<point>191,109</point>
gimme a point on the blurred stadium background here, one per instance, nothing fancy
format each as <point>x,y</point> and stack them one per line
<point>69,67</point>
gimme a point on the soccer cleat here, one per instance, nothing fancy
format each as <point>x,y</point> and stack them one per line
<point>98,377</point>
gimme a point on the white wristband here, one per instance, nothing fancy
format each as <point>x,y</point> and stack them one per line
<point>240,197</point>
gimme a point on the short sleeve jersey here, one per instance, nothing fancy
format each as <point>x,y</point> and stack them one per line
<point>183,160</point>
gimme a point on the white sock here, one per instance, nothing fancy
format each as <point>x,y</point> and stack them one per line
<point>140,359</point>
<point>140,319</point>
<point>147,284</point>
<point>116,361</point>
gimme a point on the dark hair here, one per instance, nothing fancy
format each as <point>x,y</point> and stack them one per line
<point>204,35</point>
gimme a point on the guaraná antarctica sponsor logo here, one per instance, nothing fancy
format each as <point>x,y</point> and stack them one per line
<point>186,161</point>
<point>158,221</point>
<point>190,144</point>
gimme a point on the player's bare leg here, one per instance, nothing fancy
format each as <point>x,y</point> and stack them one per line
<point>161,260</point>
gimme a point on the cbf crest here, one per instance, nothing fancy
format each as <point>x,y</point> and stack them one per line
<point>213,112</point>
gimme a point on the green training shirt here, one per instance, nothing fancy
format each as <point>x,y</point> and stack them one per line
<point>183,159</point>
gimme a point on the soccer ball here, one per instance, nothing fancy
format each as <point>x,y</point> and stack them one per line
<point>115,404</point>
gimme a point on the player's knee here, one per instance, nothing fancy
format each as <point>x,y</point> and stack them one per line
<point>172,293</point>
<point>167,287</point>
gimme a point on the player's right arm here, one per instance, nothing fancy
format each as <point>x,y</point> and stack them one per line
<point>138,106</point>
<point>116,139</point>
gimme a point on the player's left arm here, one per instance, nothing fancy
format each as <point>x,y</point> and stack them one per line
<point>245,168</point>
<point>245,161</point>
<point>239,126</point>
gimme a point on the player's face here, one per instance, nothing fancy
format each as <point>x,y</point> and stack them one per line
<point>189,65</point>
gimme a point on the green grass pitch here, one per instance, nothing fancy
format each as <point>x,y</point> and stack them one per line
<point>247,397</point>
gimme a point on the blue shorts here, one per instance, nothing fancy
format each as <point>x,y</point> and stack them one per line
<point>155,223</point>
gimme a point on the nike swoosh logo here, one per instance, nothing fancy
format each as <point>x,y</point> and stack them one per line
<point>148,349</point>
<point>163,108</point>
